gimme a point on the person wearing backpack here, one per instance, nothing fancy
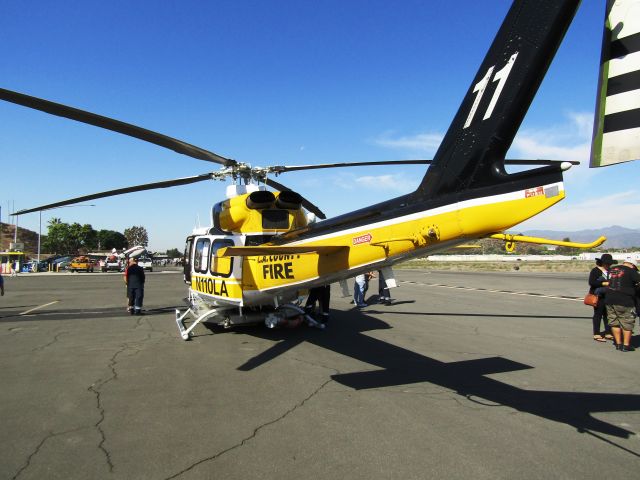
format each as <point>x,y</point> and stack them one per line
<point>621,303</point>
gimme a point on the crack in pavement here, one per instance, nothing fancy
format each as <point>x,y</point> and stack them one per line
<point>254,434</point>
<point>51,435</point>
<point>55,339</point>
<point>96,389</point>
<point>316,364</point>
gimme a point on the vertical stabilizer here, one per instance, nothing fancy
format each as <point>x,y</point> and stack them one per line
<point>616,128</point>
<point>472,152</point>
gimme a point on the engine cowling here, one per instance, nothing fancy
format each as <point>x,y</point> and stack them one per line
<point>261,211</point>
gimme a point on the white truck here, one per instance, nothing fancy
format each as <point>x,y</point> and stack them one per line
<point>145,262</point>
<point>112,263</point>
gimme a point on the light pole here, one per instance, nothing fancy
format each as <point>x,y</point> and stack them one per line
<point>63,206</point>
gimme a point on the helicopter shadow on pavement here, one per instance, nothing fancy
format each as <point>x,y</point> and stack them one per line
<point>399,366</point>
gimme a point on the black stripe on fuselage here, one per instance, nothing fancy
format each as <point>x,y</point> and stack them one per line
<point>623,83</point>
<point>624,46</point>
<point>408,204</point>
<point>621,121</point>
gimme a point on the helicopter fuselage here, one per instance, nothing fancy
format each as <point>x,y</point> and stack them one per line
<point>266,269</point>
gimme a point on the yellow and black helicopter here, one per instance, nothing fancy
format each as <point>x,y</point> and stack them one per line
<point>264,250</point>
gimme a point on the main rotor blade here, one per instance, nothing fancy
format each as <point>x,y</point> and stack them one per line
<point>113,125</point>
<point>119,191</point>
<point>305,203</point>
<point>278,169</point>
<point>539,162</point>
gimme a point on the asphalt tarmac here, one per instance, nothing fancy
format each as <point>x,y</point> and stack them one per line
<point>466,375</point>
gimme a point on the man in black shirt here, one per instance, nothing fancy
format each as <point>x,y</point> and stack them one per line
<point>134,277</point>
<point>620,298</point>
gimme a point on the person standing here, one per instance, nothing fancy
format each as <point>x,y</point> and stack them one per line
<point>321,295</point>
<point>360,289</point>
<point>135,278</point>
<point>598,282</point>
<point>1,285</point>
<point>383,291</point>
<point>621,302</point>
<point>126,288</point>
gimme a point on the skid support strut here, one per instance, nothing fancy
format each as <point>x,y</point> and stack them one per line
<point>185,332</point>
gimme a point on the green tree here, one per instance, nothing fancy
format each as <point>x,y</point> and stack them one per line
<point>63,238</point>
<point>136,236</point>
<point>57,233</point>
<point>108,239</point>
<point>89,237</point>
<point>174,253</point>
<point>74,238</point>
<point>81,238</point>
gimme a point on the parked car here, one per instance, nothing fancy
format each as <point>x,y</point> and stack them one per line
<point>43,266</point>
<point>145,262</point>
<point>29,267</point>
<point>82,263</point>
<point>111,264</point>
<point>61,263</point>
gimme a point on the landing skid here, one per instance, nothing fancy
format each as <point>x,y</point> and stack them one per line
<point>287,315</point>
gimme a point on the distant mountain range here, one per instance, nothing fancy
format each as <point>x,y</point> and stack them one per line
<point>617,237</point>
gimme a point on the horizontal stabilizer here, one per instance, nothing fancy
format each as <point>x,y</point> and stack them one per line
<point>546,241</point>
<point>277,250</point>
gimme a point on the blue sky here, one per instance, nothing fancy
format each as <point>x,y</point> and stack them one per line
<point>274,82</point>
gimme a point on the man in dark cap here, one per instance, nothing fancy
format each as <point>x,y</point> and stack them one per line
<point>621,302</point>
<point>134,278</point>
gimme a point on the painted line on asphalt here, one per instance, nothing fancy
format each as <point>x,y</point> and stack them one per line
<point>507,292</point>
<point>38,307</point>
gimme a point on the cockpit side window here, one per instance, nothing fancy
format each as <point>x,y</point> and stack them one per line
<point>201,255</point>
<point>186,260</point>
<point>221,266</point>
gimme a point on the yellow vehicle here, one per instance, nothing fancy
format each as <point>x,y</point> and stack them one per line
<point>81,264</point>
<point>10,261</point>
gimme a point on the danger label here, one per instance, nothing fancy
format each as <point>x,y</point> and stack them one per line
<point>533,192</point>
<point>366,238</point>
